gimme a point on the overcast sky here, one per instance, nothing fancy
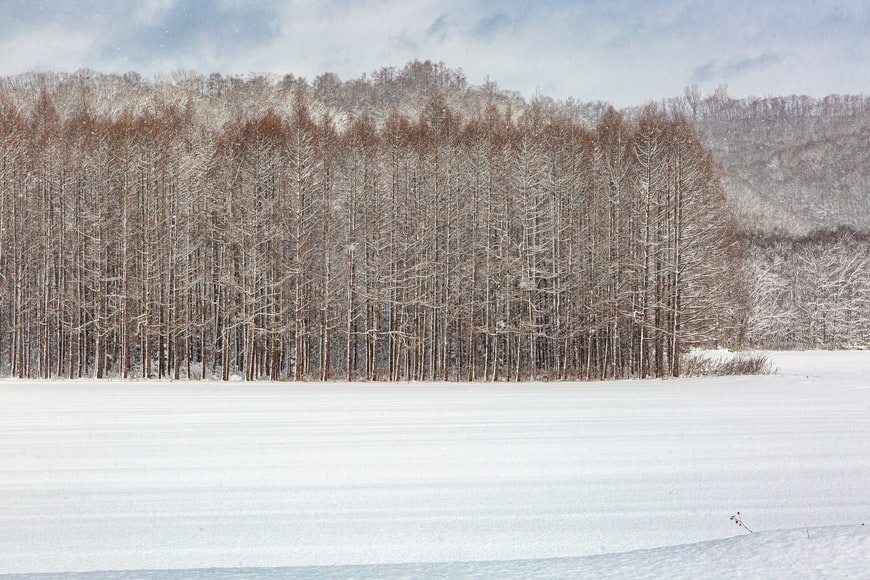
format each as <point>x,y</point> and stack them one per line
<point>626,53</point>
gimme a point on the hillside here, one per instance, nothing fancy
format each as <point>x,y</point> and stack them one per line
<point>797,176</point>
<point>792,164</point>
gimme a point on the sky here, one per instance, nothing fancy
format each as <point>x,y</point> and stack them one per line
<point>624,52</point>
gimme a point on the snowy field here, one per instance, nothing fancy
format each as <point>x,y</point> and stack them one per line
<point>606,479</point>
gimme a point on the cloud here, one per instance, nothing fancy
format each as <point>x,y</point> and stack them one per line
<point>492,26</point>
<point>47,48</point>
<point>438,29</point>
<point>149,12</point>
<point>716,70</point>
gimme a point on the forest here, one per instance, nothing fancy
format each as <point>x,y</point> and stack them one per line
<point>406,226</point>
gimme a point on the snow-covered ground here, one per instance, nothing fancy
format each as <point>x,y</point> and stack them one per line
<point>615,479</point>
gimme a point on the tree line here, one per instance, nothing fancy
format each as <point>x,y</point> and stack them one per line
<point>167,238</point>
<point>809,291</point>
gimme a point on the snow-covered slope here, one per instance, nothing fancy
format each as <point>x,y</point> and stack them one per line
<point>612,479</point>
<point>832,552</point>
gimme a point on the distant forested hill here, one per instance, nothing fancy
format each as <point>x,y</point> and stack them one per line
<point>796,172</point>
<point>793,164</point>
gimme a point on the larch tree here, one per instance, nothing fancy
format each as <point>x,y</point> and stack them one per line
<point>258,228</point>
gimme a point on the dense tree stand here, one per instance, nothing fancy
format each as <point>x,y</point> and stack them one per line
<point>252,231</point>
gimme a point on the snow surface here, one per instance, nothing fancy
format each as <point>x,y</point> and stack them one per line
<point>608,479</point>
